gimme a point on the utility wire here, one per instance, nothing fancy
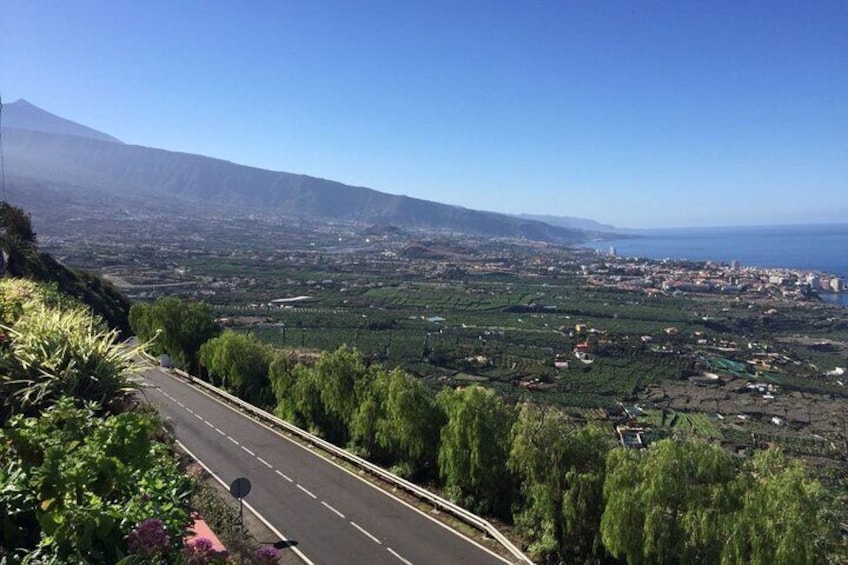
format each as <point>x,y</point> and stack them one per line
<point>2,162</point>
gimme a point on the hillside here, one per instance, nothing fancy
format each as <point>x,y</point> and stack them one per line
<point>22,258</point>
<point>40,152</point>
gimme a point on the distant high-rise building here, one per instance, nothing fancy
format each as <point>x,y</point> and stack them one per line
<point>835,284</point>
<point>612,252</point>
<point>734,265</point>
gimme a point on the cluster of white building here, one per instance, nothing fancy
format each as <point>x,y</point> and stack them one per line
<point>817,282</point>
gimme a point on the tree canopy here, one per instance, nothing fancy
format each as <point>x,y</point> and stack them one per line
<point>240,363</point>
<point>176,327</point>
<point>475,447</point>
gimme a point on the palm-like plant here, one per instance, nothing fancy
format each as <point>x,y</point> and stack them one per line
<point>65,352</point>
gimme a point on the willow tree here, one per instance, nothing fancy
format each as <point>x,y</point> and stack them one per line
<point>282,378</point>
<point>341,374</point>
<point>668,504</point>
<point>176,327</point>
<point>781,519</point>
<point>561,467</point>
<point>368,424</point>
<point>475,448</point>
<point>413,423</point>
<point>240,363</point>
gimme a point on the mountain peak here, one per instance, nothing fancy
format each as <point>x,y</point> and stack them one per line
<point>22,114</point>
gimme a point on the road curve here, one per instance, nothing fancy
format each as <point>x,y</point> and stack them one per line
<point>333,515</point>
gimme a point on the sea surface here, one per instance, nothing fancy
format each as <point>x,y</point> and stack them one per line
<point>820,248</point>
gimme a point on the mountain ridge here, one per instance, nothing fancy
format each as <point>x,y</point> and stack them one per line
<point>121,170</point>
<point>22,114</point>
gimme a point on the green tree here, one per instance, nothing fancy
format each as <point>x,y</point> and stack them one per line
<point>16,223</point>
<point>307,406</point>
<point>240,363</point>
<point>341,374</point>
<point>176,327</point>
<point>781,516</point>
<point>413,423</point>
<point>475,447</point>
<point>397,421</point>
<point>561,466</point>
<point>669,503</point>
<point>282,379</point>
<point>368,426</point>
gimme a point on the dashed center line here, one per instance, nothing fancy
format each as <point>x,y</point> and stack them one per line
<point>306,491</point>
<point>331,509</point>
<point>198,416</point>
<point>366,532</point>
<point>180,404</point>
<point>283,475</point>
<point>396,554</point>
<point>265,463</point>
<point>220,431</point>
<point>210,424</point>
<point>249,451</point>
<point>232,440</point>
<point>189,410</point>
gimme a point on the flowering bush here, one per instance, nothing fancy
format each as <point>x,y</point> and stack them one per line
<point>266,555</point>
<point>199,552</point>
<point>149,539</point>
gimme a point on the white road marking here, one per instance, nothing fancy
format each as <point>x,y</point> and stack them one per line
<point>396,554</point>
<point>208,423</point>
<point>232,440</point>
<point>198,416</point>
<point>180,404</point>
<point>331,509</point>
<point>220,431</point>
<point>265,463</point>
<point>306,491</point>
<point>283,475</point>
<point>189,410</point>
<point>330,460</point>
<point>366,532</point>
<point>262,518</point>
<point>249,451</point>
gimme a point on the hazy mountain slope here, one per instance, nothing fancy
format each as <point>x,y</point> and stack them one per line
<point>42,149</point>
<point>23,115</point>
<point>570,222</point>
<point>122,170</point>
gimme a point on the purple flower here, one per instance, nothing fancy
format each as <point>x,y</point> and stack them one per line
<point>199,551</point>
<point>149,538</point>
<point>266,555</point>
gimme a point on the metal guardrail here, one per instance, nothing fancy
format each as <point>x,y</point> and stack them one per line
<point>423,494</point>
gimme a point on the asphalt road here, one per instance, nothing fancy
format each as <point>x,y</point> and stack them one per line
<point>331,514</point>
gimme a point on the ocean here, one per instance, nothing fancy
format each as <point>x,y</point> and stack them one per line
<point>822,248</point>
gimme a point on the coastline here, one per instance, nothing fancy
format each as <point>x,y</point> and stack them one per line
<point>837,298</point>
<point>807,249</point>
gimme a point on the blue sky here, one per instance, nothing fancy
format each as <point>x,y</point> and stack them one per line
<point>639,114</point>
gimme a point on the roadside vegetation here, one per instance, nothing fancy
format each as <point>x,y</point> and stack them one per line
<point>81,469</point>
<point>566,487</point>
<point>87,475</point>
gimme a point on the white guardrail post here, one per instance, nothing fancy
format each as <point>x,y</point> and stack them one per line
<point>437,501</point>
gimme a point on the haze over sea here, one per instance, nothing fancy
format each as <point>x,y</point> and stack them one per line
<point>822,248</point>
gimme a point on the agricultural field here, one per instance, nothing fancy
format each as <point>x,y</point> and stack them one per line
<point>558,325</point>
